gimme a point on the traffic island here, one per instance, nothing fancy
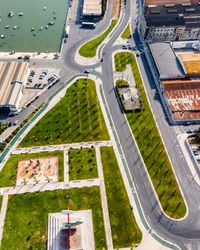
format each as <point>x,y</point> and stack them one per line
<point>151,146</point>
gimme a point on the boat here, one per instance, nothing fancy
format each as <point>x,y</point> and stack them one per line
<point>2,36</point>
<point>44,8</point>
<point>33,28</point>
<point>11,13</point>
<point>15,27</point>
<point>34,34</point>
<point>41,28</point>
<point>54,12</point>
<point>54,17</point>
<point>51,23</point>
<point>46,27</point>
<point>7,26</point>
<point>20,14</point>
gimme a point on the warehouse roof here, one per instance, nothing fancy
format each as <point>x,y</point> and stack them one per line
<point>92,7</point>
<point>173,15</point>
<point>12,77</point>
<point>168,65</point>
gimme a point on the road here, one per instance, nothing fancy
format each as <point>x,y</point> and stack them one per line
<point>185,233</point>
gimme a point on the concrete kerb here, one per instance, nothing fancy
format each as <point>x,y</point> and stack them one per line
<point>25,129</point>
<point>113,61</point>
<point>129,184</point>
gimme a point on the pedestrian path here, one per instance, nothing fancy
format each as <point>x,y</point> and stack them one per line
<point>48,186</point>
<point>62,147</point>
<point>66,166</point>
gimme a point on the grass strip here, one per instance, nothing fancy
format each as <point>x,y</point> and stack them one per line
<point>125,231</point>
<point>151,147</point>
<point>9,171</point>
<point>26,220</point>
<point>126,33</point>
<point>77,117</point>
<point>89,49</point>
<point>82,164</point>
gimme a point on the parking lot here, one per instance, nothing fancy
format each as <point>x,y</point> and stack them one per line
<point>40,78</point>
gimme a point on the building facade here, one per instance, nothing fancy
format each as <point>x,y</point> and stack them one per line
<point>172,22</point>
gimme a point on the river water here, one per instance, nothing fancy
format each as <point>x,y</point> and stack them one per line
<point>37,15</point>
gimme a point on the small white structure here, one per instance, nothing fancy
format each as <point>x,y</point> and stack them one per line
<point>82,238</point>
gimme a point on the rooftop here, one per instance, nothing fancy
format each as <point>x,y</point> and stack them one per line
<point>173,15</point>
<point>12,76</point>
<point>92,7</point>
<point>168,65</point>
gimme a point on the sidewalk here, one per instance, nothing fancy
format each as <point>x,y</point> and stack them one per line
<point>188,157</point>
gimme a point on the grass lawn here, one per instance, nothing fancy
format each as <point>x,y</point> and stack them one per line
<point>3,127</point>
<point>151,147</point>
<point>127,33</point>
<point>9,171</point>
<point>1,198</point>
<point>89,49</point>
<point>26,221</point>
<point>77,117</point>
<point>82,164</point>
<point>121,83</point>
<point>125,231</point>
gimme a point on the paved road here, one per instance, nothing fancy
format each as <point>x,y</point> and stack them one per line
<point>185,233</point>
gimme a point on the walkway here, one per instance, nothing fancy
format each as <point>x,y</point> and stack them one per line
<point>104,201</point>
<point>50,148</point>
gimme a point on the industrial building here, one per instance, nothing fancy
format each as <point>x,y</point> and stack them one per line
<point>92,9</point>
<point>179,76</point>
<point>13,77</point>
<point>172,22</point>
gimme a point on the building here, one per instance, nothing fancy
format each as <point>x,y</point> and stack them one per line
<point>13,77</point>
<point>169,22</point>
<point>92,9</point>
<point>179,75</point>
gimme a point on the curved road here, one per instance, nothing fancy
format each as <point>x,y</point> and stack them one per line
<point>185,233</point>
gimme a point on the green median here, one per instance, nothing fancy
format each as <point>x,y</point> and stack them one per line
<point>89,49</point>
<point>125,231</point>
<point>126,33</point>
<point>151,147</point>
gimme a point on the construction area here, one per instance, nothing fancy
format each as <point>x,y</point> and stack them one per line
<point>180,80</point>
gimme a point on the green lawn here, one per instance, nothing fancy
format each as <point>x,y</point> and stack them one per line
<point>9,171</point>
<point>127,33</point>
<point>82,164</point>
<point>151,147</point>
<point>89,49</point>
<point>125,231</point>
<point>3,127</point>
<point>77,117</point>
<point>1,198</point>
<point>27,216</point>
<point>121,83</point>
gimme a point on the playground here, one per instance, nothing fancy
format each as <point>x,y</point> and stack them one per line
<point>37,170</point>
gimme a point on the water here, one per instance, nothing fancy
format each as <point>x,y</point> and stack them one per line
<point>22,39</point>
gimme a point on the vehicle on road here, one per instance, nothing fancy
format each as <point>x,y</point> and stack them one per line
<point>89,25</point>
